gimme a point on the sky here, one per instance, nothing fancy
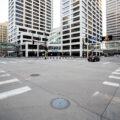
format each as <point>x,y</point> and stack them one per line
<point>3,11</point>
<point>56,13</point>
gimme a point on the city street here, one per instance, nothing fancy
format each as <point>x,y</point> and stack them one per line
<point>89,90</point>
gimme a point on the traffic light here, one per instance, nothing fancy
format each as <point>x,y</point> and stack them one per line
<point>86,40</point>
<point>110,37</point>
<point>103,38</point>
<point>46,49</point>
<point>33,42</point>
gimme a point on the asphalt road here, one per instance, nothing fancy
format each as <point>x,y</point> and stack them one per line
<point>29,85</point>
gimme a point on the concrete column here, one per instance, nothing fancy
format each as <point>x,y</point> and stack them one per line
<point>70,52</point>
<point>26,50</point>
<point>87,50</point>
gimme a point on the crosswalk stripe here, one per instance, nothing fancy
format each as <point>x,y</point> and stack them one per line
<point>3,62</point>
<point>111,84</point>
<point>5,75</point>
<point>9,81</point>
<point>12,62</point>
<point>114,77</point>
<point>106,63</point>
<point>96,93</point>
<point>14,92</point>
<point>116,72</point>
<point>2,71</point>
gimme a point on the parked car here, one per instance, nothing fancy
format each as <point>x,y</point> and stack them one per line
<point>93,58</point>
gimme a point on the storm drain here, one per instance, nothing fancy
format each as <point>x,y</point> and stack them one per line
<point>60,103</point>
<point>35,75</point>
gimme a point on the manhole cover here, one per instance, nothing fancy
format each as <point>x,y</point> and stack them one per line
<point>60,103</point>
<point>34,75</point>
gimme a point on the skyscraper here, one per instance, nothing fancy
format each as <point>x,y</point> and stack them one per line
<point>30,21</point>
<point>113,18</point>
<point>81,24</point>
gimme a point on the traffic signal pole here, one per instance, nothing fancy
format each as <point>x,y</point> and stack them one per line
<point>45,55</point>
<point>45,50</point>
<point>83,48</point>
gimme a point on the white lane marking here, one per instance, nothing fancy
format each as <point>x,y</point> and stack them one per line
<point>28,78</point>
<point>20,61</point>
<point>116,100</point>
<point>105,96</point>
<point>3,62</point>
<point>14,92</point>
<point>5,75</point>
<point>106,63</point>
<point>96,93</point>
<point>9,81</point>
<point>116,72</point>
<point>2,71</point>
<point>114,77</point>
<point>111,84</point>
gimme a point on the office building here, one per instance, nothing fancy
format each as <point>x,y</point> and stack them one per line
<point>81,24</point>
<point>4,32</point>
<point>30,23</point>
<point>113,18</point>
<point>111,43</point>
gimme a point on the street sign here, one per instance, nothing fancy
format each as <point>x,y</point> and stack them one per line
<point>94,38</point>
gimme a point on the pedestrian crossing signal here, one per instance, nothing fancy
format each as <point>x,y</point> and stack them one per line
<point>107,38</point>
